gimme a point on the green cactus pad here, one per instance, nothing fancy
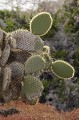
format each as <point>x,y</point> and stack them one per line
<point>31,88</point>
<point>41,23</point>
<point>63,69</point>
<point>38,44</point>
<point>34,64</point>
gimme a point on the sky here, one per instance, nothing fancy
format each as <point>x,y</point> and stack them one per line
<point>24,7</point>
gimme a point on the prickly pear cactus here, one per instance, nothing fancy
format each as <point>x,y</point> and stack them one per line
<point>23,57</point>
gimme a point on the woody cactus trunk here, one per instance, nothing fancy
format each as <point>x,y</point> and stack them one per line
<point>23,57</point>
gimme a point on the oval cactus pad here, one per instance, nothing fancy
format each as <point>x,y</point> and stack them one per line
<point>41,23</point>
<point>34,64</point>
<point>31,88</point>
<point>63,69</point>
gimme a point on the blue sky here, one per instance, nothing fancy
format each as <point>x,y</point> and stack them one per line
<point>24,7</point>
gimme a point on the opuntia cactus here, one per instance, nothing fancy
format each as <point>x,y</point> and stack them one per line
<point>23,57</point>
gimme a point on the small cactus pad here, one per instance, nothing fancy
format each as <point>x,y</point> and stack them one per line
<point>17,70</point>
<point>46,57</point>
<point>5,55</point>
<point>46,49</point>
<point>62,69</point>
<point>31,88</point>
<point>34,101</point>
<point>34,64</point>
<point>25,40</point>
<point>41,23</point>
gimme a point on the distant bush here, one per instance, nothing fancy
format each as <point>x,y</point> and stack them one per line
<point>13,20</point>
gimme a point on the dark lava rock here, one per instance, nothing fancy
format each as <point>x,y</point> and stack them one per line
<point>10,111</point>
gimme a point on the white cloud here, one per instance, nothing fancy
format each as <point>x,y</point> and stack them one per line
<point>24,7</point>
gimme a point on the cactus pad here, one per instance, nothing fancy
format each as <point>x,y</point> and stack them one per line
<point>62,69</point>
<point>41,23</point>
<point>38,44</point>
<point>31,88</point>
<point>17,70</point>
<point>34,64</point>
<point>46,49</point>
<point>25,40</point>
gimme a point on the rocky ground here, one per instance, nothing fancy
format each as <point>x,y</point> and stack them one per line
<point>37,112</point>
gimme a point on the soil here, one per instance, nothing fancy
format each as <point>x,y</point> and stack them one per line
<point>36,112</point>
